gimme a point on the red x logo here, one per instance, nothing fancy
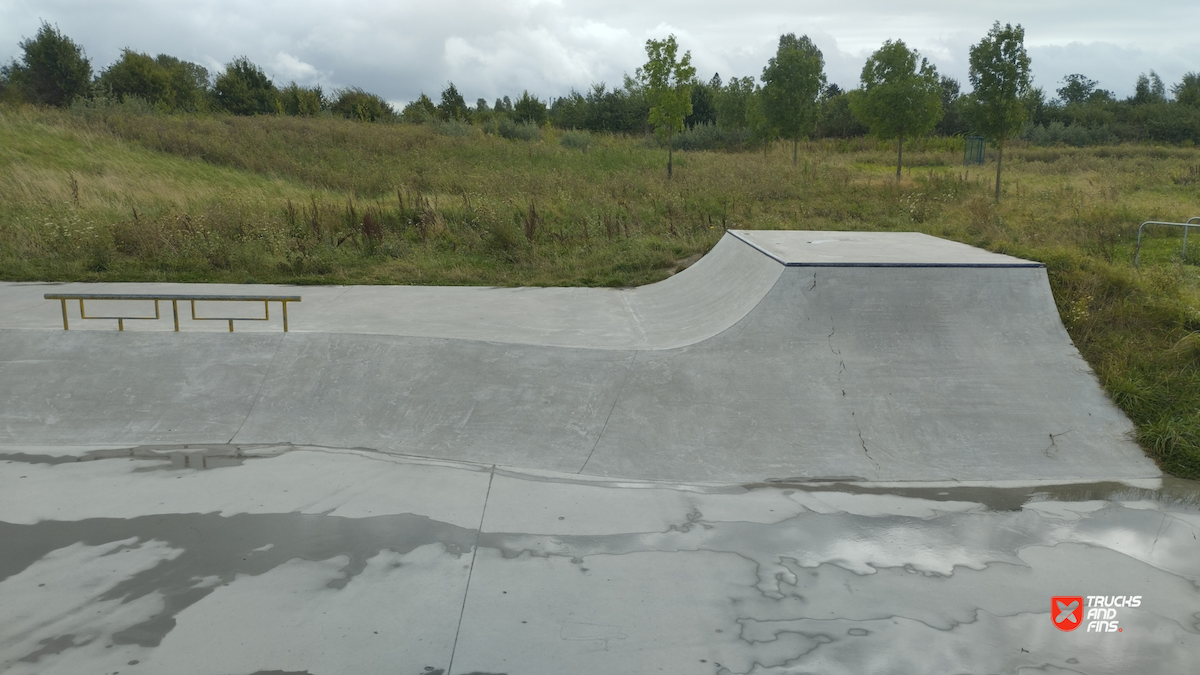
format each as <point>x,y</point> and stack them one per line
<point>1066,611</point>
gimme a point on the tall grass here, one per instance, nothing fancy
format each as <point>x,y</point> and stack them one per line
<point>112,195</point>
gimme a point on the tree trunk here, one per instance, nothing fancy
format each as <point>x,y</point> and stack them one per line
<point>670,153</point>
<point>899,155</point>
<point>999,161</point>
<point>795,142</point>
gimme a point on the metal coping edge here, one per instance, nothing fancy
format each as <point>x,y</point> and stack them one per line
<point>785,263</point>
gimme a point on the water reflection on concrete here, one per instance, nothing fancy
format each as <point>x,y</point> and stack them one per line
<point>388,564</point>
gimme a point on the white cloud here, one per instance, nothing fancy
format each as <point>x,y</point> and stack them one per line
<point>287,68</point>
<point>496,47</point>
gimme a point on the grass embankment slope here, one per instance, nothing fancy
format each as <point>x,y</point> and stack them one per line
<point>288,200</point>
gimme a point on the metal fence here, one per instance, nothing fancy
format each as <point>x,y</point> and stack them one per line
<point>1194,221</point>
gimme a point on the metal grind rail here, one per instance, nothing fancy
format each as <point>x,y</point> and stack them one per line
<point>266,300</point>
<point>1194,221</point>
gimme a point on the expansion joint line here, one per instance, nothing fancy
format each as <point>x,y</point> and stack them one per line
<point>262,384</point>
<point>474,550</point>
<point>616,398</point>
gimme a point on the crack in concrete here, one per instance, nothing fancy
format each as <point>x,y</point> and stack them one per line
<point>1054,446</point>
<point>470,571</point>
<point>863,441</point>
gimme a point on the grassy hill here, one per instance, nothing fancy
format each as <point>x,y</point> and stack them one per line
<point>111,195</point>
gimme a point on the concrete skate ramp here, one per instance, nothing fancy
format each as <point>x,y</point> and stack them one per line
<point>781,355</point>
<point>694,305</point>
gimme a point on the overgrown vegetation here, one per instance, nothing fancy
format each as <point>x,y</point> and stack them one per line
<point>121,193</point>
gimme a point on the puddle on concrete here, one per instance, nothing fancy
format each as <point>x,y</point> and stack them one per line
<point>1176,492</point>
<point>222,547</point>
<point>169,457</point>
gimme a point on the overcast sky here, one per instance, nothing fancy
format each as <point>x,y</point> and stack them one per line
<point>490,48</point>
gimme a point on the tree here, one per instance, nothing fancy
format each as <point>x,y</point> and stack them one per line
<point>529,110</point>
<point>899,97</point>
<point>1187,91</point>
<point>355,104</point>
<point>836,120</point>
<point>244,89</point>
<point>138,75</point>
<point>952,123</point>
<point>704,109</point>
<point>1149,89</point>
<point>760,127</point>
<point>301,101</point>
<point>731,102</point>
<point>453,106</point>
<point>1076,88</point>
<point>52,71</point>
<point>420,111</point>
<point>999,76</point>
<point>189,83</point>
<point>792,80</point>
<point>667,82</point>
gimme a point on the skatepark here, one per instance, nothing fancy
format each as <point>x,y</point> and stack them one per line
<point>809,452</point>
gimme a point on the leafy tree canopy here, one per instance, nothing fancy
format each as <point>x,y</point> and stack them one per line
<point>52,71</point>
<point>355,104</point>
<point>1187,91</point>
<point>901,95</point>
<point>529,110</point>
<point>420,111</point>
<point>302,101</point>
<point>453,106</point>
<point>244,89</point>
<point>138,75</point>
<point>792,80</point>
<point>1076,88</point>
<point>1149,89</point>
<point>667,80</point>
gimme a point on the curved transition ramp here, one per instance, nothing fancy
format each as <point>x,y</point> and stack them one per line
<point>779,356</point>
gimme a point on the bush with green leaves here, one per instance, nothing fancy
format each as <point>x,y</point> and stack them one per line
<point>355,104</point>
<point>53,70</point>
<point>576,140</point>
<point>300,101</point>
<point>137,75</point>
<point>517,131</point>
<point>244,89</point>
<point>420,111</point>
<point>712,137</point>
<point>530,110</point>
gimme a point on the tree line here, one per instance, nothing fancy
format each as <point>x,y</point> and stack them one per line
<point>900,96</point>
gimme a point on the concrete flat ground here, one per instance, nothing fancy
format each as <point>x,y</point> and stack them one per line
<point>810,452</point>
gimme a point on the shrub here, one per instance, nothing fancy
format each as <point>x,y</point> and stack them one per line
<point>302,101</point>
<point>355,104</point>
<point>52,71</point>
<point>244,89</point>
<point>576,140</point>
<point>506,128</point>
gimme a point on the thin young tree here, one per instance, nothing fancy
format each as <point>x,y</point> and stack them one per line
<point>1000,78</point>
<point>901,96</point>
<point>667,81</point>
<point>792,80</point>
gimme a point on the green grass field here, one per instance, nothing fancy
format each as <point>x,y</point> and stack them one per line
<point>122,197</point>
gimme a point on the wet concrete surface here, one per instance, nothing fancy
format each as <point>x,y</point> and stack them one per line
<point>176,570</point>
